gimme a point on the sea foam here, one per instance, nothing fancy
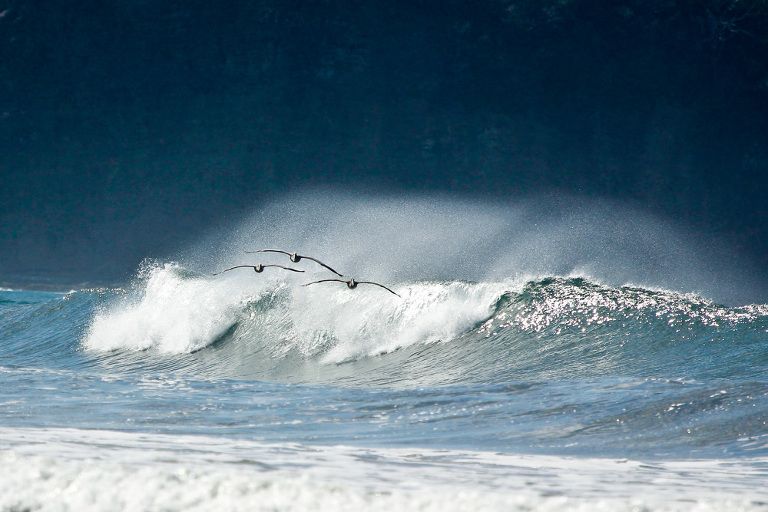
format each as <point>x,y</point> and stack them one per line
<point>168,311</point>
<point>174,311</point>
<point>70,469</point>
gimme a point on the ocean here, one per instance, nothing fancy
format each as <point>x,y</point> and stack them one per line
<point>532,356</point>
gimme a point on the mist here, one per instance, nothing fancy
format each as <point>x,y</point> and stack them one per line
<point>401,238</point>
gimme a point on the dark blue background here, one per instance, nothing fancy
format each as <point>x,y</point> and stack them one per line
<point>127,127</point>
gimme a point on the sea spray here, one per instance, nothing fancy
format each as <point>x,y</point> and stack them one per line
<point>407,238</point>
<point>170,312</point>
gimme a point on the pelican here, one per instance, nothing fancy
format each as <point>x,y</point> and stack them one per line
<point>259,268</point>
<point>297,258</point>
<point>352,284</point>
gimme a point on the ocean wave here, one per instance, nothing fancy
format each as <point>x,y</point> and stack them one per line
<point>176,311</point>
<point>439,332</point>
<point>270,326</point>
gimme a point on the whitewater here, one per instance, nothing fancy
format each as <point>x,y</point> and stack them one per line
<point>550,354</point>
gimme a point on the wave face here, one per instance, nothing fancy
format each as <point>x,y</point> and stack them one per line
<point>435,333</point>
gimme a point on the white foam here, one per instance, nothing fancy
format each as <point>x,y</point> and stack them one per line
<point>69,469</point>
<point>172,312</point>
<point>368,322</point>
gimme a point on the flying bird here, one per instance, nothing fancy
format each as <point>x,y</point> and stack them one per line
<point>297,258</point>
<point>351,283</point>
<point>257,268</point>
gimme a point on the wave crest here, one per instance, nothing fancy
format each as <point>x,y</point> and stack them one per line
<point>176,311</point>
<point>437,332</point>
<point>171,312</point>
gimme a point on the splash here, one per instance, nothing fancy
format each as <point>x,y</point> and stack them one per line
<point>171,311</point>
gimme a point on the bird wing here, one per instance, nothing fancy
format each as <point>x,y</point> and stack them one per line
<point>323,264</point>
<point>286,268</point>
<point>377,284</point>
<point>325,281</point>
<point>233,268</point>
<point>269,250</point>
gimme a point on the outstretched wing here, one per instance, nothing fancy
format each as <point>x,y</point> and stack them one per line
<point>347,282</point>
<point>233,268</point>
<point>298,256</point>
<point>325,281</point>
<point>323,264</point>
<point>254,267</point>
<point>269,250</point>
<point>286,268</point>
<point>377,284</point>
